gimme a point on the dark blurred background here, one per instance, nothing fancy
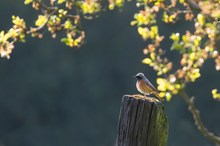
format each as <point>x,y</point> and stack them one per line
<point>53,95</point>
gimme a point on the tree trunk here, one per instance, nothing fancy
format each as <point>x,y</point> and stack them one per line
<point>142,122</point>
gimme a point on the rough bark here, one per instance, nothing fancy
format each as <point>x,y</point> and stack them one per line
<point>142,122</point>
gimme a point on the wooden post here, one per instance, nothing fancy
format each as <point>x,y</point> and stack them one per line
<point>142,122</point>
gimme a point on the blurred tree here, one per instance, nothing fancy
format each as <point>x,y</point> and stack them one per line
<point>195,46</point>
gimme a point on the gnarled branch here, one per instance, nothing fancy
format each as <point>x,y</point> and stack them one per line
<point>198,122</point>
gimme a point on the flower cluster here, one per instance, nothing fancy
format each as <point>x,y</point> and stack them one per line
<point>89,7</point>
<point>115,3</point>
<point>16,33</point>
<point>145,20</point>
<point>169,86</point>
<point>215,94</point>
<point>160,64</point>
<point>194,48</point>
<point>58,16</point>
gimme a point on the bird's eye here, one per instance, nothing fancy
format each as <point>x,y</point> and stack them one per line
<point>138,78</point>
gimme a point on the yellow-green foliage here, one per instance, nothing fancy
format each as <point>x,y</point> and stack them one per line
<point>215,94</point>
<point>59,15</point>
<point>194,47</point>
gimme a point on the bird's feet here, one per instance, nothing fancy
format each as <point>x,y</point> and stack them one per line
<point>139,96</point>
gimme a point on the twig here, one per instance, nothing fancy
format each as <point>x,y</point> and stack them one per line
<point>43,25</point>
<point>193,5</point>
<point>195,112</point>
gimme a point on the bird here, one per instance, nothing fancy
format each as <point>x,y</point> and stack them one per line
<point>145,87</point>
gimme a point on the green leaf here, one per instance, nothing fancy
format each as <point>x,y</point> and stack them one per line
<point>215,94</point>
<point>201,19</point>
<point>61,1</point>
<point>147,61</point>
<point>26,2</point>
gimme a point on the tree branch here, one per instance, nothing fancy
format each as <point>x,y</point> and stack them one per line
<point>49,11</point>
<point>43,25</point>
<point>193,5</point>
<point>195,112</point>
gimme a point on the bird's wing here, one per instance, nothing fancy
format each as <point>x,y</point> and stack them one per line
<point>150,85</point>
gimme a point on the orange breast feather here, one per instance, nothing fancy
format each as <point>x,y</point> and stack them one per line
<point>143,87</point>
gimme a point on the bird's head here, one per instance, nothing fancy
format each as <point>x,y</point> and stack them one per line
<point>139,76</point>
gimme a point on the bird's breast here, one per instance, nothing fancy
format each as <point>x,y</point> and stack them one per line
<point>143,87</point>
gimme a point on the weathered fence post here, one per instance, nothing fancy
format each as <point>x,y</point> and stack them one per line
<point>142,122</point>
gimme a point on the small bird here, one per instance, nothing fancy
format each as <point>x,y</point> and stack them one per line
<point>145,87</point>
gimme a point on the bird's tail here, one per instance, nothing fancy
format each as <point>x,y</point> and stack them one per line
<point>158,96</point>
